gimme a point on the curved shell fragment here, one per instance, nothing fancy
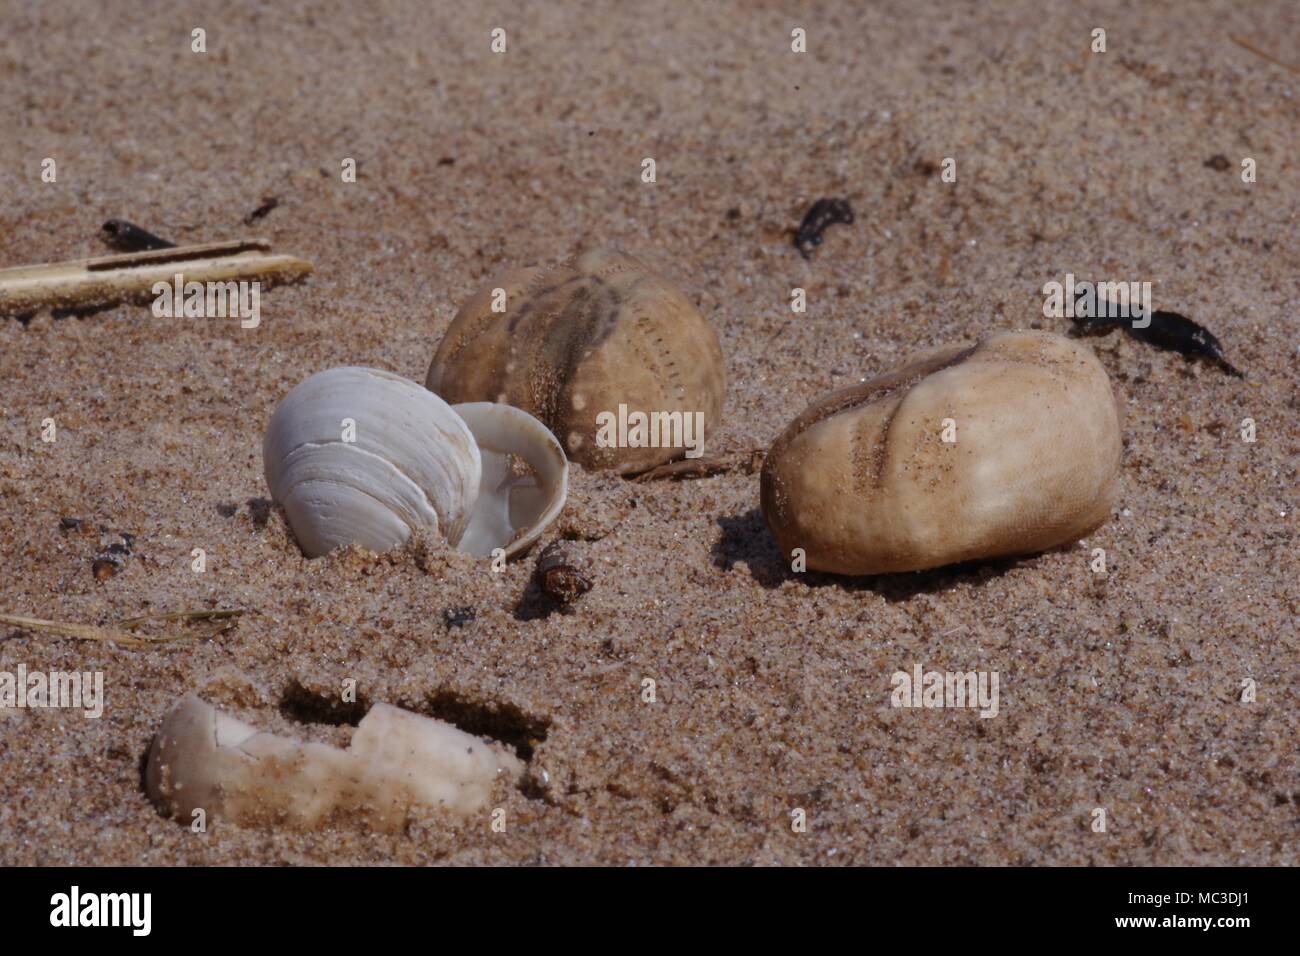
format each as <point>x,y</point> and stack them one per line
<point>525,479</point>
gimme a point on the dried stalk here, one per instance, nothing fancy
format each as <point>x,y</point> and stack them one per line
<point>81,283</point>
<point>88,632</point>
<point>747,461</point>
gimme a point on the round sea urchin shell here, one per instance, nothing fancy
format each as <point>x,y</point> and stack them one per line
<point>599,331</point>
<point>865,482</point>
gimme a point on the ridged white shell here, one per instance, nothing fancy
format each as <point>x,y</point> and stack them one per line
<point>415,464</point>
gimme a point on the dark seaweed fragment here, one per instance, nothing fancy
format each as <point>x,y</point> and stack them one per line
<point>268,203</point>
<point>458,616</point>
<point>824,213</point>
<point>1170,331</point>
<point>128,237</point>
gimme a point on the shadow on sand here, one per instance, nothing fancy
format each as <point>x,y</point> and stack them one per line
<point>745,538</point>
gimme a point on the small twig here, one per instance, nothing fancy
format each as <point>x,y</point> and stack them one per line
<point>1246,45</point>
<point>749,461</point>
<point>182,616</point>
<point>87,632</point>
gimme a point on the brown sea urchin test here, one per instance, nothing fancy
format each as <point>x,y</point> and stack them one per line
<point>1009,447</point>
<point>576,342</point>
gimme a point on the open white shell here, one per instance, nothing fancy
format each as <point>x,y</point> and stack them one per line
<point>413,462</point>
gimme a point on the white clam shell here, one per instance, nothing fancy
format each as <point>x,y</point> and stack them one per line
<point>415,465</point>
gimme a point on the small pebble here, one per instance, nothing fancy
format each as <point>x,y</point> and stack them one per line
<point>112,558</point>
<point>458,616</point>
<point>105,568</point>
<point>560,573</point>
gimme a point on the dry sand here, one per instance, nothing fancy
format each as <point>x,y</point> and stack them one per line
<point>773,688</point>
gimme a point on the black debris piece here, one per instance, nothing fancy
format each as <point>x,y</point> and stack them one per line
<point>128,237</point>
<point>824,213</point>
<point>1167,330</point>
<point>259,509</point>
<point>268,203</point>
<point>458,616</point>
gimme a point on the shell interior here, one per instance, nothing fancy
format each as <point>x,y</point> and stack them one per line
<point>524,479</point>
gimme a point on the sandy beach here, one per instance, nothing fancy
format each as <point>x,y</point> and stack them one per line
<point>1121,691</point>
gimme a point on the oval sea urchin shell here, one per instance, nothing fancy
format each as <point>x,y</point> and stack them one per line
<point>413,462</point>
<point>865,482</point>
<point>598,332</point>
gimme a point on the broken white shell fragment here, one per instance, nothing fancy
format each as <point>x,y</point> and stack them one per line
<point>363,456</point>
<point>203,759</point>
<point>1010,447</point>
